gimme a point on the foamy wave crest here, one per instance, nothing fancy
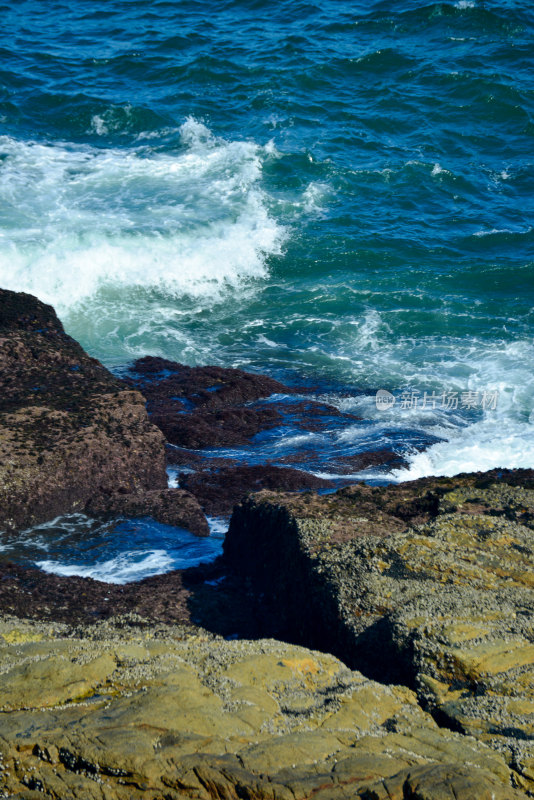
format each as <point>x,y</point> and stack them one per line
<point>503,437</point>
<point>475,438</point>
<point>124,568</point>
<point>78,221</point>
<point>479,447</point>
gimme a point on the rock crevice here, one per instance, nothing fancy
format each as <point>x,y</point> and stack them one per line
<point>427,583</point>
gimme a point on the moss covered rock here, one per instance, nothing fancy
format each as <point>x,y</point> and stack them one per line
<point>120,710</point>
<point>429,583</point>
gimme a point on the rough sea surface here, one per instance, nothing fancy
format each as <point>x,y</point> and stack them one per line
<point>339,192</point>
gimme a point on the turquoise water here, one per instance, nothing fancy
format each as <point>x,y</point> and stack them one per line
<point>336,191</point>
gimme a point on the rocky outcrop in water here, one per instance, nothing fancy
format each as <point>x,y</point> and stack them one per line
<point>210,406</point>
<point>202,410</point>
<point>72,434</point>
<point>219,489</point>
<point>427,583</point>
<point>174,507</point>
<point>118,711</point>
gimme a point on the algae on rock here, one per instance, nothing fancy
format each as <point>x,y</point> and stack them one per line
<point>122,711</point>
<point>428,583</point>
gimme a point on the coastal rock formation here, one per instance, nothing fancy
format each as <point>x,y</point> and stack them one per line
<point>202,409</point>
<point>169,506</point>
<point>71,433</point>
<point>428,583</point>
<point>218,490</point>
<point>206,407</point>
<point>199,407</point>
<point>121,711</point>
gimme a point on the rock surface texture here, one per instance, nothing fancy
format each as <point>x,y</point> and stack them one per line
<point>199,407</point>
<point>203,410</point>
<point>120,711</point>
<point>71,433</point>
<point>428,583</point>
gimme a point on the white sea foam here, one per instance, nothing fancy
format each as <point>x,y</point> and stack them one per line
<point>173,477</point>
<point>313,198</point>
<point>262,339</point>
<point>124,568</point>
<point>483,439</point>
<point>495,231</point>
<point>481,446</point>
<point>502,436</point>
<point>218,526</point>
<point>114,118</point>
<point>78,221</point>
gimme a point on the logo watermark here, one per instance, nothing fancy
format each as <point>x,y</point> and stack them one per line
<point>445,401</point>
<point>385,400</point>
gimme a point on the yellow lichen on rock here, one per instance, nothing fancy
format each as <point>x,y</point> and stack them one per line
<point>179,713</point>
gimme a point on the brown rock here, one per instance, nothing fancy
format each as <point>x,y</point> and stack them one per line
<point>200,407</point>
<point>169,506</point>
<point>69,430</point>
<point>29,592</point>
<point>219,490</point>
<point>220,427</point>
<point>440,782</point>
<point>383,457</point>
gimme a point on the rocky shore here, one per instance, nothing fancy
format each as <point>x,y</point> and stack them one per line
<point>373,642</point>
<point>428,584</point>
<point>72,435</point>
<point>115,710</point>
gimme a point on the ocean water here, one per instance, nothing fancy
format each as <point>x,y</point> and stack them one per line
<point>338,192</point>
<point>113,551</point>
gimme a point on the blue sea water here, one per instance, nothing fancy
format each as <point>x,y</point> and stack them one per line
<point>335,191</point>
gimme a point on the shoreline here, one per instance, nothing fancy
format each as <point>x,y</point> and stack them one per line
<point>395,609</point>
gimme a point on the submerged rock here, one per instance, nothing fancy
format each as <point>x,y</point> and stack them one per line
<point>122,711</point>
<point>71,433</point>
<point>202,410</point>
<point>428,583</point>
<point>199,407</point>
<point>209,407</point>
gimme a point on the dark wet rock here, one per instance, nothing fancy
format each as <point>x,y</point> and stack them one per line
<point>180,457</point>
<point>198,407</point>
<point>428,583</point>
<point>218,490</point>
<point>221,427</point>
<point>313,416</point>
<point>385,458</point>
<point>199,595</point>
<point>211,386</point>
<point>69,430</point>
<point>204,407</point>
<point>168,506</point>
<point>29,592</point>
